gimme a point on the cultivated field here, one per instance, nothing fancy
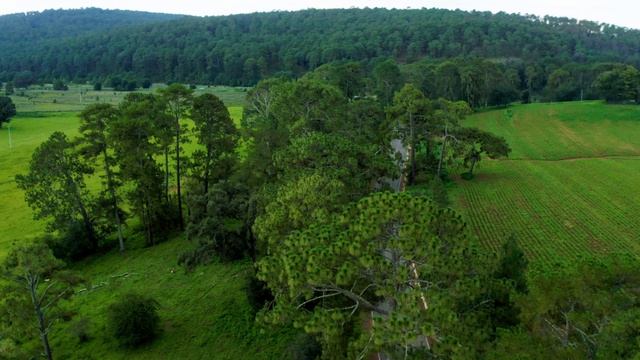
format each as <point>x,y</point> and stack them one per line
<point>570,187</point>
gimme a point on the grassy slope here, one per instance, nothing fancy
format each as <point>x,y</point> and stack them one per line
<point>570,187</point>
<point>27,131</point>
<point>204,314</point>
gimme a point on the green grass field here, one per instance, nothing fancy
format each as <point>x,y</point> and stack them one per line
<point>42,98</point>
<point>570,187</point>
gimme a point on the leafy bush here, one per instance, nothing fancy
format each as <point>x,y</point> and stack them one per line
<point>258,294</point>
<point>134,320</point>
<point>305,347</point>
<point>80,329</point>
<point>72,244</point>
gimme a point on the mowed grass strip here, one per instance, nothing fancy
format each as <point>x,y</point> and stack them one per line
<point>565,130</point>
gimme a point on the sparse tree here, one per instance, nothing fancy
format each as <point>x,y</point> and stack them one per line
<point>32,288</point>
<point>7,109</point>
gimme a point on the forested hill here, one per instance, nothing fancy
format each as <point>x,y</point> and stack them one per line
<point>241,49</point>
<point>22,29</point>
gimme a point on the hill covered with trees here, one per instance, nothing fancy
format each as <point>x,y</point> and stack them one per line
<point>92,44</point>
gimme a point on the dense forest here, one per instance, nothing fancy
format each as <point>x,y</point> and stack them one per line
<point>242,49</point>
<point>334,184</point>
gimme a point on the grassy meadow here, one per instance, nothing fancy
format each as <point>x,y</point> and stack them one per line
<point>570,187</point>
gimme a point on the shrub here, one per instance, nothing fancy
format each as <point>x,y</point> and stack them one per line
<point>97,86</point>
<point>258,294</point>
<point>80,329</point>
<point>134,320</point>
<point>72,244</point>
<point>305,347</point>
<point>467,176</point>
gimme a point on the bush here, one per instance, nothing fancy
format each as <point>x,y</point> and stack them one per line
<point>146,83</point>
<point>258,294</point>
<point>60,86</point>
<point>134,320</point>
<point>97,86</point>
<point>72,244</point>
<point>80,330</point>
<point>305,347</point>
<point>467,176</point>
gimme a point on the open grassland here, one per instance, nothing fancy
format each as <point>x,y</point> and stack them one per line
<point>570,188</point>
<point>27,132</point>
<point>42,98</point>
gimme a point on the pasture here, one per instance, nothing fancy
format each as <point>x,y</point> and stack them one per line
<point>570,187</point>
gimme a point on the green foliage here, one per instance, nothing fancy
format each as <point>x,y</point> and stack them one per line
<point>135,140</point>
<point>33,286</point>
<point>9,88</point>
<point>513,264</point>
<point>134,319</point>
<point>247,48</point>
<point>218,221</point>
<point>95,143</point>
<point>217,133</point>
<point>59,85</point>
<point>620,84</point>
<point>55,187</point>
<point>575,309</point>
<point>258,294</point>
<point>7,109</point>
<point>326,276</point>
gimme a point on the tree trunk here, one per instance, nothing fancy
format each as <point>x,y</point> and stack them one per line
<point>180,220</point>
<point>114,199</point>
<point>83,212</point>
<point>412,151</point>
<point>444,148</point>
<point>166,174</point>
<point>207,170</point>
<point>42,325</point>
<point>473,165</point>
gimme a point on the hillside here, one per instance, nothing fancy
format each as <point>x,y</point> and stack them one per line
<point>569,188</point>
<point>19,29</point>
<point>241,49</point>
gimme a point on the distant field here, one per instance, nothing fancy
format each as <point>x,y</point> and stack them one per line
<point>37,98</point>
<point>570,187</point>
